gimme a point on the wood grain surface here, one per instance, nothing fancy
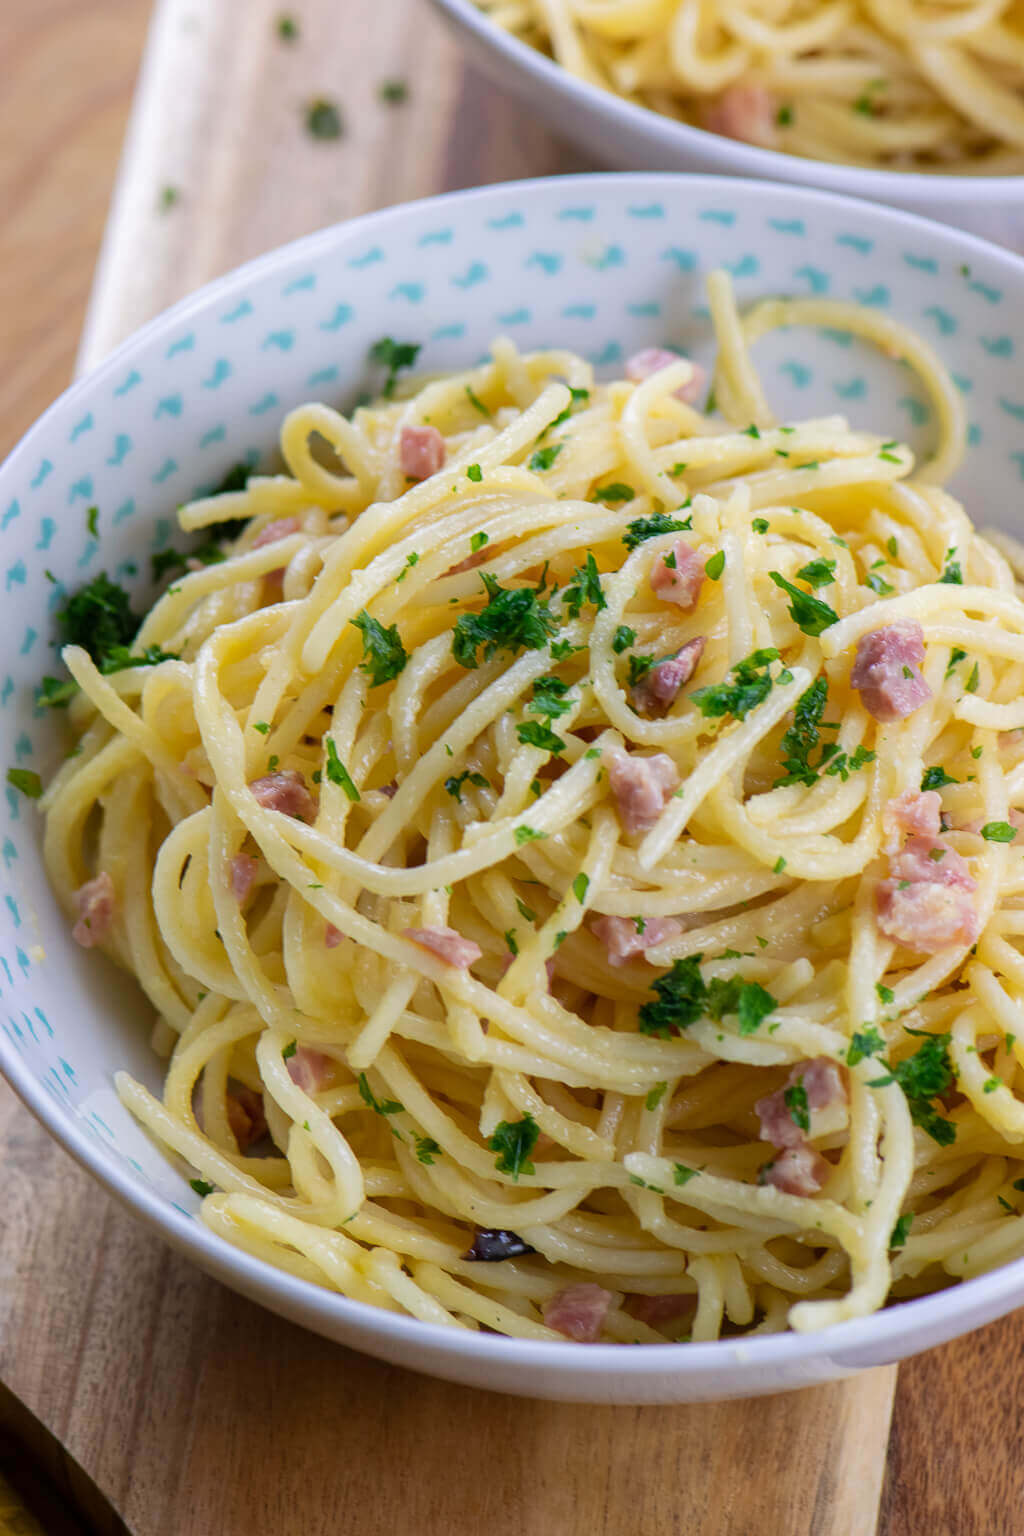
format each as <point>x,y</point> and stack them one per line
<point>193,1410</point>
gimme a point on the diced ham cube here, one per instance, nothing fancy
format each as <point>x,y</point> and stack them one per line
<point>661,685</point>
<point>914,813</point>
<point>447,944</point>
<point>242,873</point>
<point>308,1069</point>
<point>246,1117</point>
<point>623,939</point>
<point>286,792</point>
<point>642,365</point>
<point>746,112</point>
<point>926,916</point>
<point>642,787</point>
<point>332,937</point>
<point>421,452</point>
<point>273,532</point>
<point>931,861</point>
<point>578,1311</point>
<point>777,1124</point>
<point>797,1171</point>
<point>886,670</point>
<point>678,575</point>
<point>95,902</point>
<point>655,1311</point>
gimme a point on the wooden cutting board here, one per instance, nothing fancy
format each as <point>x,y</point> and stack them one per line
<point>195,1412</point>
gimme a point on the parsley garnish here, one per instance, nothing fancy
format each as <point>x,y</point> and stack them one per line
<point>714,567</point>
<point>923,1077</point>
<point>998,832</point>
<point>474,473</point>
<point>747,999</point>
<point>818,573</point>
<point>808,613</point>
<point>287,29</point>
<point>844,765</point>
<point>901,1230</point>
<point>971,686</point>
<point>639,666</point>
<point>613,494</point>
<point>952,575</point>
<point>28,782</point>
<point>863,1043</point>
<point>751,684</point>
<point>514,619</point>
<point>427,1150</point>
<point>642,528</point>
<point>475,401</point>
<point>760,525</point>
<point>201,1187</point>
<point>545,457</point>
<point>323,119</point>
<point>549,698</point>
<point>289,1050</point>
<point>784,116</point>
<point>455,783</point>
<point>98,617</point>
<point>885,994</point>
<point>656,1095</point>
<point>524,834</point>
<point>337,773</point>
<point>394,356</point>
<point>379,1106</point>
<point>477,541</point>
<point>383,649</point>
<point>681,1174</point>
<point>803,735</point>
<point>935,778</point>
<point>514,1141</point>
<point>622,639</point>
<point>580,887</point>
<point>393,93</point>
<point>533,733</point>
<point>525,911</point>
<point>795,1099</point>
<point>956,655</point>
<point>585,587</point>
<point>878,584</point>
<point>681,998</point>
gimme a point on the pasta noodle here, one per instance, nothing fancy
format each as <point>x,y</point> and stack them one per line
<point>904,85</point>
<point>509,978</point>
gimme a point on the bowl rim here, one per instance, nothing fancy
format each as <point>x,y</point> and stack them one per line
<point>890,1333</point>
<point>753,161</point>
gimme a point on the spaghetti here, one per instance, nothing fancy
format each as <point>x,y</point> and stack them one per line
<point>915,86</point>
<point>568,844</point>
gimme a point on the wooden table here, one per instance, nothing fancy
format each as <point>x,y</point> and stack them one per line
<point>194,1411</point>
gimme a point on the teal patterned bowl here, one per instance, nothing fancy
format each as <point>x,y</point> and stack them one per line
<point>602,264</point>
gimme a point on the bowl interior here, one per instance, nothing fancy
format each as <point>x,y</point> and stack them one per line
<point>603,265</point>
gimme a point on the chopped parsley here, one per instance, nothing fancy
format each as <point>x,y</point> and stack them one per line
<point>289,1050</point>
<point>510,942</point>
<point>323,119</point>
<point>474,473</point>
<point>427,1150</point>
<point>760,525</point>
<point>638,668</point>
<point>784,116</point>
<point>384,653</point>
<point>525,911</point>
<point>580,887</point>
<point>885,994</point>
<point>454,784</point>
<point>952,574</point>
<point>622,639</point>
<point>971,685</point>
<point>514,1141</point>
<point>533,733</point>
<point>478,540</point>
<point>26,781</point>
<point>991,1084</point>
<point>714,567</point>
<point>818,573</point>
<point>514,619</point>
<point>585,587</point>
<point>201,1187</point>
<point>475,401</point>
<point>795,1099</point>
<point>808,613</point>
<point>864,1043</point>
<point>393,93</point>
<point>681,1174</point>
<point>549,698</point>
<point>803,735</point>
<point>747,999</point>
<point>99,618</point>
<point>901,1231</point>
<point>655,1096</point>
<point>935,778</point>
<point>956,655</point>
<point>998,832</point>
<point>613,495</point>
<point>524,834</point>
<point>545,457</point>
<point>337,773</point>
<point>379,1106</point>
<point>750,684</point>
<point>878,584</point>
<point>924,1077</point>
<point>843,764</point>
<point>779,865</point>
<point>681,999</point>
<point>287,29</point>
<point>394,356</point>
<point>643,528</point>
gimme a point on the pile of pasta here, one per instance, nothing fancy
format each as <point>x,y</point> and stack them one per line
<point>498,986</point>
<point>915,86</point>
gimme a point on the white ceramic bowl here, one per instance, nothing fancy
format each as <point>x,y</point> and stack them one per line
<point>601,264</point>
<point>631,138</point>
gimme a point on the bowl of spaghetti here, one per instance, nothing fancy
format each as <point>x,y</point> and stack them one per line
<point>515,846</point>
<point>922,107</point>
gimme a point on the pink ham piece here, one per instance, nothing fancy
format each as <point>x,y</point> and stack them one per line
<point>421,452</point>
<point>246,1117</point>
<point>642,787</point>
<point>914,813</point>
<point>242,873</point>
<point>308,1069</point>
<point>662,683</point>
<point>285,792</point>
<point>622,939</point>
<point>746,112</point>
<point>677,576</point>
<point>447,944</point>
<point>886,670</point>
<point>926,916</point>
<point>274,532</point>
<point>655,1311</point>
<point>643,365</point>
<point>95,902</point>
<point>797,1171</point>
<point>823,1084</point>
<point>578,1311</point>
<point>332,937</point>
<point>931,861</point>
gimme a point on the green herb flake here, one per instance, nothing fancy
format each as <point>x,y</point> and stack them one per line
<point>524,834</point>
<point>427,1150</point>
<point>379,1106</point>
<point>323,119</point>
<point>864,1043</point>
<point>784,116</point>
<point>925,1076</point>
<point>808,613</point>
<point>510,942</point>
<point>453,785</point>
<point>998,832</point>
<point>545,457</point>
<point>681,999</point>
<point>818,573</point>
<point>580,887</point>
<point>779,865</point>
<point>514,619</point>
<point>971,686</point>
<point>584,587</point>
<point>893,548</point>
<point>991,1084</point>
<point>760,525</point>
<point>750,684</point>
<point>514,1141</point>
<point>681,1174</point>
<point>656,1095</point>
<point>901,1231</point>
<point>289,1050</point>
<point>384,653</point>
<point>26,781</point>
<point>936,778</point>
<point>613,495</point>
<point>395,356</point>
<point>201,1187</point>
<point>956,655</point>
<point>533,733</point>
<point>714,567</point>
<point>878,584</point>
<point>623,638</point>
<point>338,774</point>
<point>393,92</point>
<point>263,726</point>
<point>643,528</point>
